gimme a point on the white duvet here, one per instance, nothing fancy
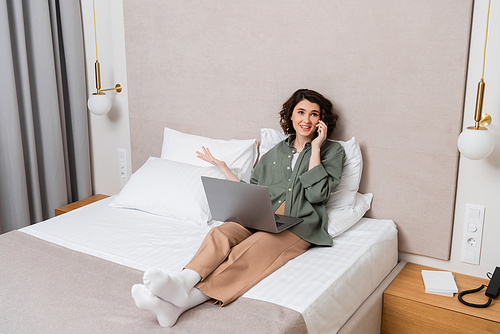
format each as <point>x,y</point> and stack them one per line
<point>326,284</point>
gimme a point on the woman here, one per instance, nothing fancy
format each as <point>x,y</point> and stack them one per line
<point>301,173</point>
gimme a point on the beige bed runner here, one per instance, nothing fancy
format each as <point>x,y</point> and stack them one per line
<point>46,288</point>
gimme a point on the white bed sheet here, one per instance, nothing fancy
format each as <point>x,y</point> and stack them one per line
<point>326,284</point>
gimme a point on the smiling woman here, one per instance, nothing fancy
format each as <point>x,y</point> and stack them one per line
<point>327,114</point>
<point>308,115</point>
<point>232,259</point>
<point>306,121</point>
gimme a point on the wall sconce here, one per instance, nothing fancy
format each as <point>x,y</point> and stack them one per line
<point>476,142</point>
<point>99,103</point>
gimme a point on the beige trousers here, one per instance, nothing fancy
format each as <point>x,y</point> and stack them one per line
<point>231,259</point>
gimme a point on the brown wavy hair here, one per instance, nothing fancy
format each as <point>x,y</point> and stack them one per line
<point>327,114</point>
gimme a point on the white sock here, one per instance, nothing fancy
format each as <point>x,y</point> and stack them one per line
<point>166,313</point>
<point>171,288</point>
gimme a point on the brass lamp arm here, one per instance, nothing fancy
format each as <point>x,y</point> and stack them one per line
<point>118,89</point>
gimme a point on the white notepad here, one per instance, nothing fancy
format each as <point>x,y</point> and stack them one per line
<point>439,282</point>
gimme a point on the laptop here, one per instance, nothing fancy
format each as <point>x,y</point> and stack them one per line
<point>246,204</point>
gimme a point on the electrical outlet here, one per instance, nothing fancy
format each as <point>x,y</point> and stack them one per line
<point>122,167</point>
<point>473,233</point>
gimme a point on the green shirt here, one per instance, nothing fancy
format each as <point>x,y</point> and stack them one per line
<point>304,191</point>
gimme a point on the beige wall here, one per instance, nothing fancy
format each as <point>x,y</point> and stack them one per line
<point>478,181</point>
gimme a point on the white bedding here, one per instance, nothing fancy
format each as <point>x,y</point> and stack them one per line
<point>326,284</point>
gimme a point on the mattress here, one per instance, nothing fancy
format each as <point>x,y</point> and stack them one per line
<point>326,284</point>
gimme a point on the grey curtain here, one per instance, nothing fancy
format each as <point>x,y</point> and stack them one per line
<point>44,144</point>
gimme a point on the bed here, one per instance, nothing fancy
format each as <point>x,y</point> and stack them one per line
<point>74,272</point>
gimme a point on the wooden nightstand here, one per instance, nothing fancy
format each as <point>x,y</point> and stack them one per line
<point>78,204</point>
<point>408,309</point>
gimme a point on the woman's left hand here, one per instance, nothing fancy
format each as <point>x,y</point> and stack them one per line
<point>316,145</point>
<point>322,131</point>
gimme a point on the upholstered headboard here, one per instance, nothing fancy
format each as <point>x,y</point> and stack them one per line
<point>394,69</point>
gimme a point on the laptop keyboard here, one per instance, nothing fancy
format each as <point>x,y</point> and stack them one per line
<point>278,224</point>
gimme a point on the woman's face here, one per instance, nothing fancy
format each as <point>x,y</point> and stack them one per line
<point>305,117</point>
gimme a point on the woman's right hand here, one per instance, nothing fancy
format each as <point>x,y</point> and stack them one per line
<point>208,157</point>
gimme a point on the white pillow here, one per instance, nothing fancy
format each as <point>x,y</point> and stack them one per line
<point>239,155</point>
<point>344,195</point>
<point>269,138</point>
<point>168,188</point>
<point>340,220</point>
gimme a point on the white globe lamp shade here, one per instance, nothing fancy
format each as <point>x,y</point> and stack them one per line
<point>99,104</point>
<point>476,144</point>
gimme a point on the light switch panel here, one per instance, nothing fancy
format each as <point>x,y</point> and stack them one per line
<point>122,167</point>
<point>473,233</point>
